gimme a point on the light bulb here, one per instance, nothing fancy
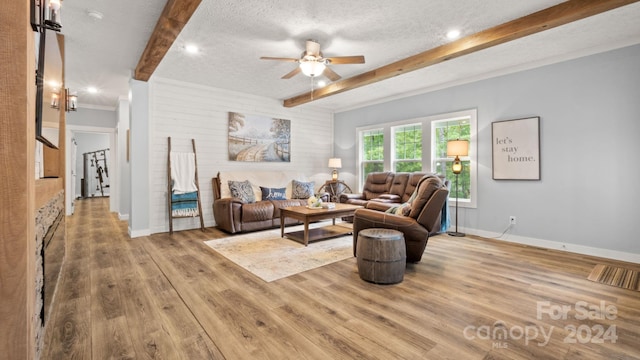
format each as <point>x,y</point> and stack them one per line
<point>54,5</point>
<point>312,68</point>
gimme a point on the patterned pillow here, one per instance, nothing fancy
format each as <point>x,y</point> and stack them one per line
<point>242,190</point>
<point>301,190</point>
<point>273,193</point>
<point>403,209</point>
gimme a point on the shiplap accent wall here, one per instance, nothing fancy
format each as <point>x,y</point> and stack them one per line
<point>184,111</point>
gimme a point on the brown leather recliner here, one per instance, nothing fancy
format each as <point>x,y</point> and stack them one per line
<point>422,219</point>
<point>377,184</point>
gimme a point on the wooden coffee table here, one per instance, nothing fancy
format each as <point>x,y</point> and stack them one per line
<point>306,215</point>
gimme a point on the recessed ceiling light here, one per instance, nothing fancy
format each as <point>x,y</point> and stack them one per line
<point>322,83</point>
<point>54,84</point>
<point>92,89</point>
<point>453,34</point>
<point>191,49</point>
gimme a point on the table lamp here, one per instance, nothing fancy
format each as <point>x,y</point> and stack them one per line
<point>335,163</point>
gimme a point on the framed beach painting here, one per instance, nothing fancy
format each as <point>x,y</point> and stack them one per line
<point>516,149</point>
<point>259,138</point>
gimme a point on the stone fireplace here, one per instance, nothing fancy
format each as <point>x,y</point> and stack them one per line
<point>50,252</point>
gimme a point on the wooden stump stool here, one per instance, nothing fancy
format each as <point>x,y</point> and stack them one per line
<point>382,256</point>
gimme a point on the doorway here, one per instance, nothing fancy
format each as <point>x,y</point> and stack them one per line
<point>95,180</point>
<point>91,146</point>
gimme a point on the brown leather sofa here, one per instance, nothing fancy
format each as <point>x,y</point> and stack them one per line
<point>383,190</point>
<point>234,216</point>
<point>423,217</point>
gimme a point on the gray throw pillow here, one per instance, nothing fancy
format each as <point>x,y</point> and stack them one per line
<point>242,190</point>
<point>301,189</point>
<point>273,193</point>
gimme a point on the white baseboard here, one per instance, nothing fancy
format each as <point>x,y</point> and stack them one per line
<point>555,245</point>
<point>139,233</point>
<point>123,216</point>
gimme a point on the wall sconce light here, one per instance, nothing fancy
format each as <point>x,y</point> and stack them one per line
<point>45,14</point>
<point>54,14</point>
<point>55,100</point>
<point>335,163</point>
<point>72,101</point>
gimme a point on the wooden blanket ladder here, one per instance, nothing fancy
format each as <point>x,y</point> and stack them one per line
<point>170,196</point>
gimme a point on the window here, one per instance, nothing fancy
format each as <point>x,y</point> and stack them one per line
<point>421,145</point>
<point>372,152</point>
<point>407,141</point>
<point>443,131</point>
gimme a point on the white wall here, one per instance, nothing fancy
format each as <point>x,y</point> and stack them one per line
<point>184,111</point>
<point>123,175</point>
<point>588,198</point>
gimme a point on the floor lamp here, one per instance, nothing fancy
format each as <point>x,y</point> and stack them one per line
<point>457,148</point>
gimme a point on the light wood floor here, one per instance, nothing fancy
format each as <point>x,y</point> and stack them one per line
<point>171,297</point>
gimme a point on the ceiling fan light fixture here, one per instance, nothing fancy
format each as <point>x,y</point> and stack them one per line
<point>312,68</point>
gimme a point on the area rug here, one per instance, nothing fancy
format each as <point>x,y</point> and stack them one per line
<point>270,257</point>
<point>615,276</point>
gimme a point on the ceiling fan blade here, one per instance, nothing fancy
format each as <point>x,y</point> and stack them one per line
<point>278,58</point>
<point>292,73</point>
<point>331,74</point>
<point>358,59</point>
<point>313,48</point>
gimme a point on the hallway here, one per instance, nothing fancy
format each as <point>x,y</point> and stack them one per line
<point>113,301</point>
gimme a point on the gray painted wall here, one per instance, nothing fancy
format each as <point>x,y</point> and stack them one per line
<point>588,195</point>
<point>92,117</point>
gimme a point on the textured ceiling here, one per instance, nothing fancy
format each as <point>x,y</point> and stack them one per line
<point>232,35</point>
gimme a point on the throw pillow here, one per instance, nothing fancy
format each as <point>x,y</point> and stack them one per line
<point>273,193</point>
<point>301,189</point>
<point>403,209</point>
<point>242,190</point>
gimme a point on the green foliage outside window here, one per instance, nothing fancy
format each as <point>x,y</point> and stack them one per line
<point>373,167</point>
<point>373,145</point>
<point>372,152</point>
<point>408,148</point>
<point>410,166</point>
<point>452,130</point>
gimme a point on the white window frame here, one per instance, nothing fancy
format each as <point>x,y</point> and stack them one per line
<point>427,150</point>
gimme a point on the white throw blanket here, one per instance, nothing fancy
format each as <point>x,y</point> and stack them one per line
<point>183,172</point>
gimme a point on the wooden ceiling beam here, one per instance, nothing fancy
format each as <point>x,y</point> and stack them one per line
<point>542,20</point>
<point>174,17</point>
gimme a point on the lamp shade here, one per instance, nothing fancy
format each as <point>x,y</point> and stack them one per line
<point>458,148</point>
<point>335,163</point>
<point>312,68</point>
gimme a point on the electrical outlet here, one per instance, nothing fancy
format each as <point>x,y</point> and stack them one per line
<point>512,220</point>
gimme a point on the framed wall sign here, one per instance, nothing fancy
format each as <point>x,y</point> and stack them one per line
<point>516,149</point>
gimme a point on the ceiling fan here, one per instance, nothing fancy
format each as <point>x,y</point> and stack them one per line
<point>312,63</point>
